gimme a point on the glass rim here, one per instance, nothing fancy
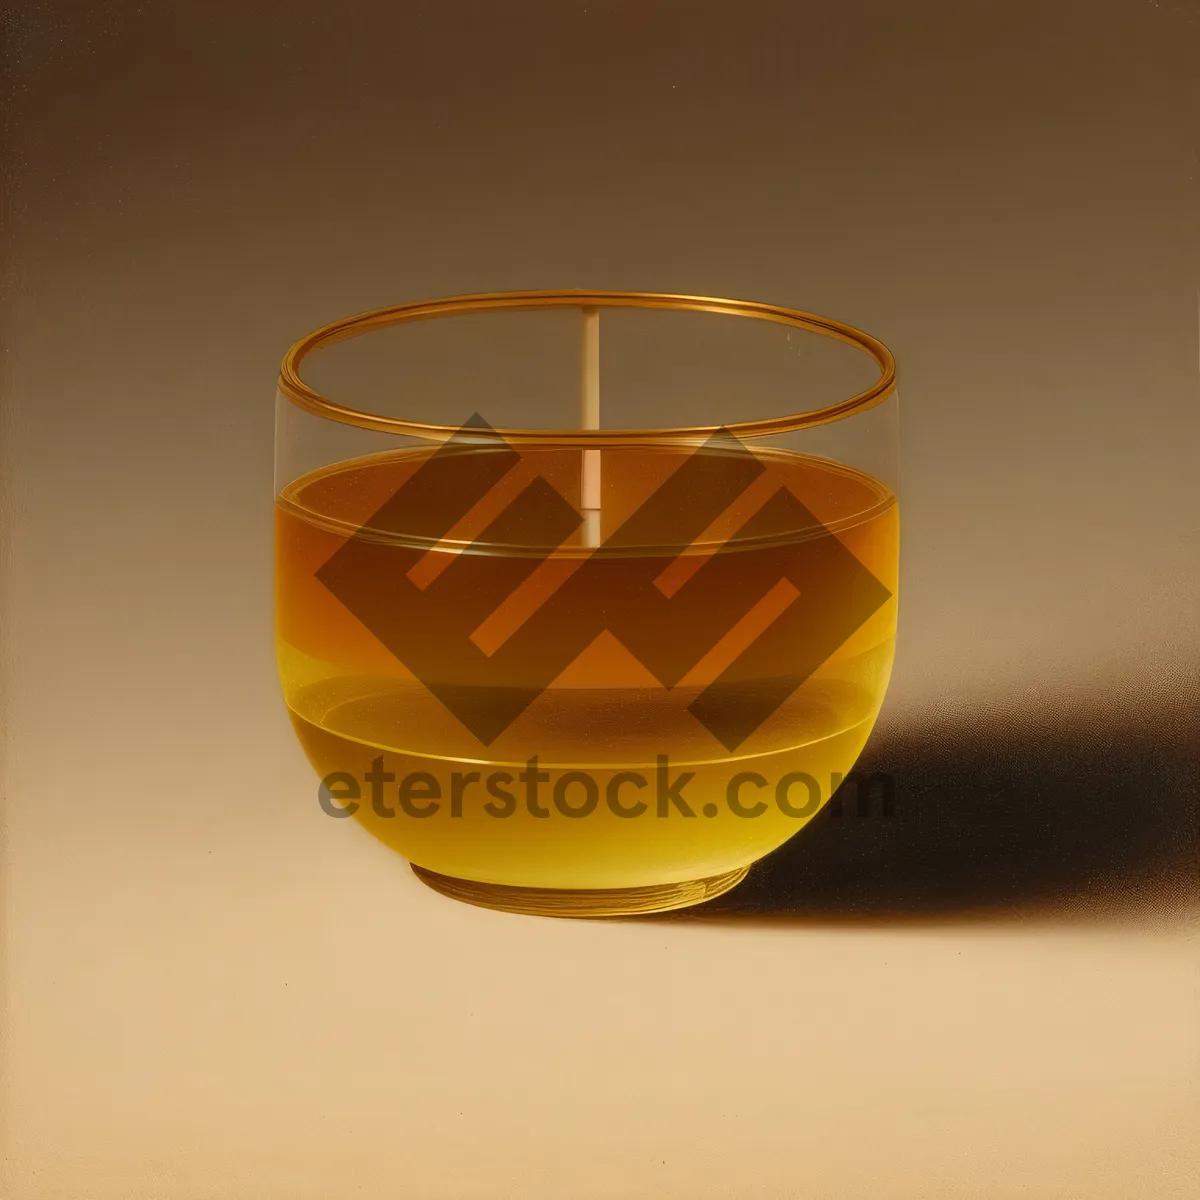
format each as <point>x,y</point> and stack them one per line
<point>294,389</point>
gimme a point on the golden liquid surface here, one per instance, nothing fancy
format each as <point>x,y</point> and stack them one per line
<point>353,702</point>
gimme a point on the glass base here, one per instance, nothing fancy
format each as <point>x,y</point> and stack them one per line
<point>585,902</point>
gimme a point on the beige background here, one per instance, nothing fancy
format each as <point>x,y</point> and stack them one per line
<point>210,989</point>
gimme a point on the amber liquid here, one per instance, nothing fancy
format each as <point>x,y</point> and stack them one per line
<point>353,702</point>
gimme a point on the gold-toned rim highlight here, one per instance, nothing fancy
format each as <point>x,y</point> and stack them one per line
<point>584,902</point>
<point>300,394</point>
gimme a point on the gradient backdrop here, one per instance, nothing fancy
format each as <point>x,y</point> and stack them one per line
<point>212,990</point>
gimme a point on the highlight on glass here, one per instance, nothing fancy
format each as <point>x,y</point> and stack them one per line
<point>585,600</point>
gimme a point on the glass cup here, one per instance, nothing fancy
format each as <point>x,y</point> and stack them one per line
<point>585,601</point>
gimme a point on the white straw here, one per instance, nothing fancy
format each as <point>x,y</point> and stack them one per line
<point>589,418</point>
